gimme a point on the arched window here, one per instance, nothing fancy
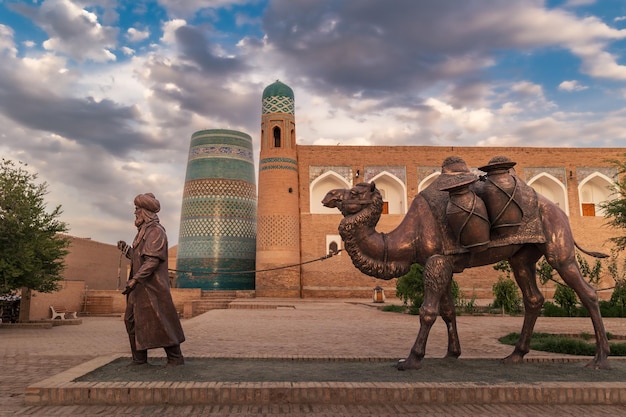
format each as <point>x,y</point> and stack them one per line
<point>276,137</point>
<point>333,244</point>
<point>592,191</point>
<point>322,185</point>
<point>333,248</point>
<point>393,192</point>
<point>427,181</point>
<point>551,188</point>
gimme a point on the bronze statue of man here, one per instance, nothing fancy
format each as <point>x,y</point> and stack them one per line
<point>151,318</point>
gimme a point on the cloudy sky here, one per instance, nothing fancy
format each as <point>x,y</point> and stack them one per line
<point>100,97</point>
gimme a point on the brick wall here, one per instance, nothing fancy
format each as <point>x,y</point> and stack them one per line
<point>337,277</point>
<point>95,263</point>
<point>69,295</point>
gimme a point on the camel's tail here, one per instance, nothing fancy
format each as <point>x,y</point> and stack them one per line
<point>591,253</point>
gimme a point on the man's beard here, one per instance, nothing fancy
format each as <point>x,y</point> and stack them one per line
<point>139,220</point>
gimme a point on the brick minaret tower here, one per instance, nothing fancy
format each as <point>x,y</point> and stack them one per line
<point>278,213</point>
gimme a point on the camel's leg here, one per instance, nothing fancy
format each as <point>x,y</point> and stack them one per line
<point>524,266</point>
<point>570,273</point>
<point>437,275</point>
<point>561,255</point>
<point>447,311</point>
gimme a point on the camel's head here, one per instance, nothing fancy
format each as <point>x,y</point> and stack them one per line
<point>353,200</point>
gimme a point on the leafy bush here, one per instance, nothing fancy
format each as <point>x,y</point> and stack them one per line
<point>394,308</point>
<point>468,306</point>
<point>410,289</point>
<point>506,295</point>
<point>547,342</point>
<point>552,310</point>
<point>566,297</point>
<point>618,298</point>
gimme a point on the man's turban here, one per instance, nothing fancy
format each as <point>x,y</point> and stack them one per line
<point>148,202</point>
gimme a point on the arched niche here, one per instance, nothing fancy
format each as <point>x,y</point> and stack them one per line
<point>551,188</point>
<point>593,190</point>
<point>393,191</point>
<point>320,187</point>
<point>427,181</point>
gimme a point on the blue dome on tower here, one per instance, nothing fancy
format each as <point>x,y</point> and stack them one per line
<point>278,98</point>
<point>278,89</point>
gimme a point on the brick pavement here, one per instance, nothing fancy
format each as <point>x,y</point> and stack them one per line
<point>308,327</point>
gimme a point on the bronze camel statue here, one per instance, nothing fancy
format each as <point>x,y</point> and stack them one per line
<point>419,238</point>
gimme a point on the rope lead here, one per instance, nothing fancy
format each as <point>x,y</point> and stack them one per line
<point>321,258</point>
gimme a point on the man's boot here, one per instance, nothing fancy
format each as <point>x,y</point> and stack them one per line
<point>140,357</point>
<point>174,356</point>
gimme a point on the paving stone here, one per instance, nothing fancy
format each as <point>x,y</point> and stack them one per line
<point>300,327</point>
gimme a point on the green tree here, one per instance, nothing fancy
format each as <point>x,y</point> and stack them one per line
<point>617,303</point>
<point>505,291</point>
<point>410,289</point>
<point>32,250</point>
<point>564,295</point>
<point>615,210</point>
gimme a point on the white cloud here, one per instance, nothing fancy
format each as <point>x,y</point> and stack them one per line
<point>169,30</point>
<point>527,88</point>
<point>188,8</point>
<point>472,120</point>
<point>75,31</point>
<point>599,63</point>
<point>576,3</point>
<point>7,45</point>
<point>572,85</point>
<point>135,35</point>
<point>128,51</point>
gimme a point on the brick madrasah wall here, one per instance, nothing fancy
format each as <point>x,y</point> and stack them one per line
<point>337,277</point>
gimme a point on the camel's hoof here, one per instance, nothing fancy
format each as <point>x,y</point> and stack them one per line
<point>452,356</point>
<point>512,359</point>
<point>598,364</point>
<point>407,364</point>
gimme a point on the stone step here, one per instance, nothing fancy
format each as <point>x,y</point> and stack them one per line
<point>227,294</point>
<point>202,306</point>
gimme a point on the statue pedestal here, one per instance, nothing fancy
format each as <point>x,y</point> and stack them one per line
<point>333,380</point>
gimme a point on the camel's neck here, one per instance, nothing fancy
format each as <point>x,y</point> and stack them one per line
<point>373,253</point>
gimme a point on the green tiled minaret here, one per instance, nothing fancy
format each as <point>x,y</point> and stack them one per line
<point>217,237</point>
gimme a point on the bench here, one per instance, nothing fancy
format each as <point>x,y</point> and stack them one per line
<point>60,312</point>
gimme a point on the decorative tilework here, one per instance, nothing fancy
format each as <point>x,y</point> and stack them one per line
<point>286,160</point>
<point>398,171</point>
<point>216,226</point>
<point>278,104</point>
<point>289,167</point>
<point>221,136</point>
<point>423,172</point>
<point>219,187</point>
<point>277,231</point>
<point>558,173</point>
<point>216,248</point>
<point>212,151</point>
<point>584,172</point>
<point>207,274</point>
<point>344,171</point>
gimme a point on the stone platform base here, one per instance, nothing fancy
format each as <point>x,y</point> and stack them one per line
<point>67,388</point>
